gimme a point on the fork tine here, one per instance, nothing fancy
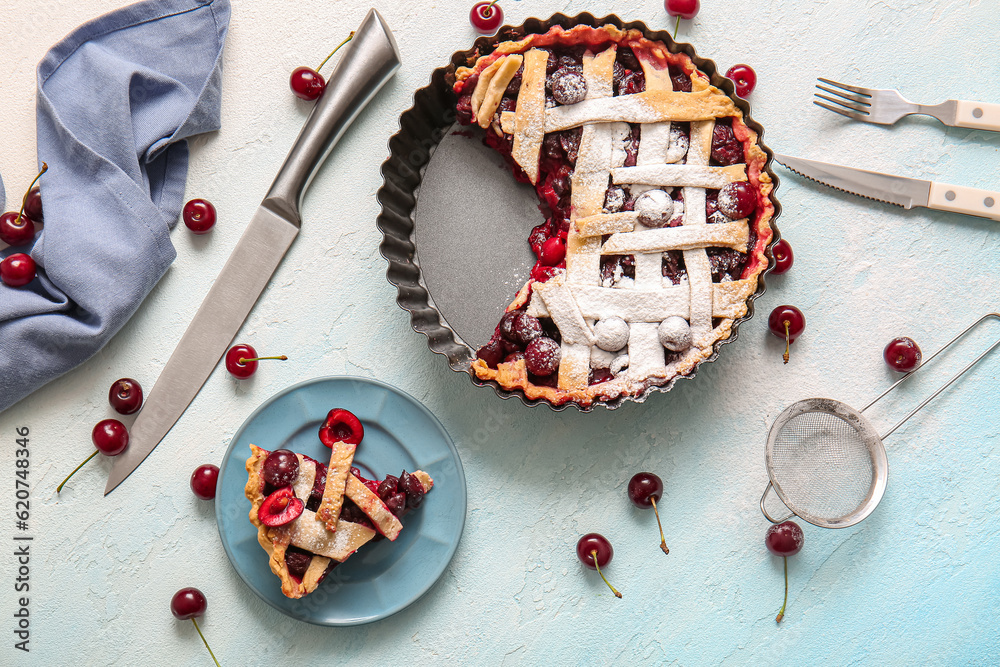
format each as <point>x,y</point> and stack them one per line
<point>841,111</point>
<point>858,99</point>
<point>867,92</point>
<point>844,104</point>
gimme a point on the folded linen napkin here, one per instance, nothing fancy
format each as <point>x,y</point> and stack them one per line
<point>117,99</point>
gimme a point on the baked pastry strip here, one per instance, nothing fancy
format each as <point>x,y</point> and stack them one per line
<point>341,457</point>
<point>495,90</point>
<point>369,503</point>
<point>529,118</point>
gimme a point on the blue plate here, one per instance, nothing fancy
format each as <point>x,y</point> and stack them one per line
<point>400,433</point>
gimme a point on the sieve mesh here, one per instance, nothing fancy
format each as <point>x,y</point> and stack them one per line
<point>822,465</point>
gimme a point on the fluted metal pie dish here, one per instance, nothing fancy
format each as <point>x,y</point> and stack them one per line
<point>454,228</point>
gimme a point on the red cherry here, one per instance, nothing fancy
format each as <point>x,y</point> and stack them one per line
<point>241,360</point>
<point>280,508</point>
<point>486,17</point>
<point>783,257</point>
<point>16,229</point>
<point>191,603</point>
<point>492,353</point>
<point>204,479</point>
<point>902,354</point>
<point>17,270</point>
<point>644,489</point>
<point>784,539</point>
<point>110,437</point>
<point>553,251</point>
<point>125,396</point>
<point>542,356</point>
<point>685,9</point>
<point>594,551</point>
<point>307,83</point>
<point>33,204</point>
<point>341,426</point>
<point>744,77</point>
<point>188,603</point>
<point>737,200</point>
<point>199,216</point>
<point>786,322</point>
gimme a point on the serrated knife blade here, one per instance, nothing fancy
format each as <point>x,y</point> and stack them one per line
<point>366,63</point>
<point>898,190</point>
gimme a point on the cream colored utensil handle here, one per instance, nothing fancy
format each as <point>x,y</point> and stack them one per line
<point>978,115</point>
<point>959,199</point>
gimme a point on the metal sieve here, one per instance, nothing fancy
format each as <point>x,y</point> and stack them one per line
<point>827,462</point>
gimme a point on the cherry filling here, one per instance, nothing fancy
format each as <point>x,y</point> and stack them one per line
<point>565,84</point>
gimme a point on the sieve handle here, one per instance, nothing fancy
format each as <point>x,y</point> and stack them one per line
<point>764,511</point>
<point>946,384</point>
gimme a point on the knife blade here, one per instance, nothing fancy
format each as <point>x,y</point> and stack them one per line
<point>367,62</point>
<point>898,190</point>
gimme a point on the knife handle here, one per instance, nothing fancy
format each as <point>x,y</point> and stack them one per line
<point>977,115</point>
<point>367,62</point>
<point>960,199</point>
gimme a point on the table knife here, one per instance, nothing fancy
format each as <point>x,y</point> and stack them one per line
<point>366,63</point>
<point>899,190</point>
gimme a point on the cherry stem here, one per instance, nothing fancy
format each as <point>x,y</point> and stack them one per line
<point>206,643</point>
<point>59,488</point>
<point>349,38</point>
<point>781,613</point>
<point>676,26</point>
<point>593,554</point>
<point>24,200</point>
<point>244,360</point>
<point>663,541</point>
<point>788,340</point>
<point>487,11</point>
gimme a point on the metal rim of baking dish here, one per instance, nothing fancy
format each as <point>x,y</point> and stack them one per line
<point>421,128</point>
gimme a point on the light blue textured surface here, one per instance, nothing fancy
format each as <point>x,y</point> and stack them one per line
<point>916,583</point>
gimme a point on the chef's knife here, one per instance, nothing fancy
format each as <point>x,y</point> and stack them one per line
<point>366,63</point>
<point>899,190</point>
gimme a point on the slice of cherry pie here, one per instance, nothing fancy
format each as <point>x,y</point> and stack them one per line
<point>657,210</point>
<point>286,493</point>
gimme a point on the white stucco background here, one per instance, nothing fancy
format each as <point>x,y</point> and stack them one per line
<point>916,583</point>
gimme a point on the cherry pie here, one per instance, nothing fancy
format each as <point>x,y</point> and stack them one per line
<point>657,210</point>
<point>290,496</point>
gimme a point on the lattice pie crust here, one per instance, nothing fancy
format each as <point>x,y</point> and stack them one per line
<point>575,298</point>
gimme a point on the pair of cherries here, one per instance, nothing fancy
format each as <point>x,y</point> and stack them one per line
<point>17,228</point>
<point>110,437</point>
<point>594,550</point>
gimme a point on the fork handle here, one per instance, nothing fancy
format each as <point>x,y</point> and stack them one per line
<point>977,115</point>
<point>961,199</point>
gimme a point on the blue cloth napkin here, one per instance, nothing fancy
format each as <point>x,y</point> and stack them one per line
<point>117,99</point>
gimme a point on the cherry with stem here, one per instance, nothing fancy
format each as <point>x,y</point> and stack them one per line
<point>191,603</point>
<point>241,360</point>
<point>18,228</point>
<point>486,16</point>
<point>786,322</point>
<point>24,200</point>
<point>644,489</point>
<point>308,84</point>
<point>682,9</point>
<point>784,539</point>
<point>110,437</point>
<point>594,550</point>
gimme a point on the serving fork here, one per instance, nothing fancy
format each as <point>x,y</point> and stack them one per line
<point>885,107</point>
